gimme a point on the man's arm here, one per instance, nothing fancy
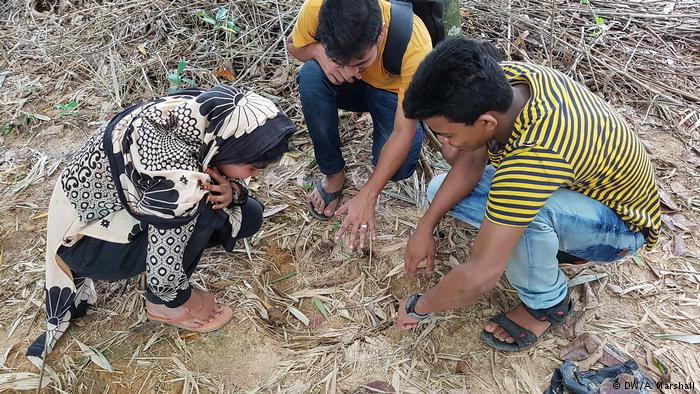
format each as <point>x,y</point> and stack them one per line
<point>467,282</point>
<point>336,73</point>
<point>304,53</point>
<point>459,182</point>
<point>361,209</point>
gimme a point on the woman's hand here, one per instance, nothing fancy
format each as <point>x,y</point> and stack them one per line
<point>220,195</point>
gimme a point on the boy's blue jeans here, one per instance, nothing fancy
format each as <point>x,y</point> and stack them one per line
<point>320,101</point>
<point>568,222</point>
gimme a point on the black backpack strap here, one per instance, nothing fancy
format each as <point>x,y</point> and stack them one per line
<point>398,36</point>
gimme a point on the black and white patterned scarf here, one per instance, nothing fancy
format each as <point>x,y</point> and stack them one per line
<point>148,166</point>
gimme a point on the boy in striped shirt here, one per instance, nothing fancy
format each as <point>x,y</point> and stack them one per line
<point>544,168</point>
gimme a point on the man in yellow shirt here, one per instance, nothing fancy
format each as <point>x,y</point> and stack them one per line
<point>341,43</point>
<point>543,167</point>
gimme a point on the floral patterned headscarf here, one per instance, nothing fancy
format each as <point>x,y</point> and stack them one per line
<point>157,153</point>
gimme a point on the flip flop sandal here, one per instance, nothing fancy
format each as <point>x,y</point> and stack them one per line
<point>224,318</point>
<point>327,199</point>
<point>522,337</point>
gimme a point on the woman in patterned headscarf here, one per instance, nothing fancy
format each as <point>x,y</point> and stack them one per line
<point>149,192</point>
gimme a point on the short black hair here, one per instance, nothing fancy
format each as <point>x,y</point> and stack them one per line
<point>347,28</point>
<point>459,80</point>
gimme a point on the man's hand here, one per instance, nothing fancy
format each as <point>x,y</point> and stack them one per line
<point>403,321</point>
<point>220,195</point>
<point>336,73</point>
<point>421,246</point>
<point>360,211</point>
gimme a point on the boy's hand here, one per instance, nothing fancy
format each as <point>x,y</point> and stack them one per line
<point>220,195</point>
<point>360,212</point>
<point>421,246</point>
<point>336,73</point>
<point>403,321</point>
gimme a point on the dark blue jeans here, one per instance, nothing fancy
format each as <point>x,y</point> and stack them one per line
<point>320,101</point>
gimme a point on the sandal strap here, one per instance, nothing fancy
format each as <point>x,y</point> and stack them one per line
<point>326,196</point>
<point>556,314</point>
<point>522,336</point>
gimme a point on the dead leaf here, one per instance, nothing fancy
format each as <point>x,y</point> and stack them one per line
<point>22,381</point>
<point>95,356</point>
<point>590,298</point>
<point>668,221</point>
<point>684,224</point>
<point>316,320</point>
<point>377,386</point>
<point>53,130</point>
<point>273,210</point>
<point>589,348</point>
<point>142,49</point>
<point>225,72</point>
<point>679,248</point>
<point>678,187</point>
<point>653,268</point>
<point>462,367</point>
<point>279,78</point>
<point>693,159</point>
<point>667,200</point>
<point>299,315</point>
<point>581,347</point>
<point>692,339</point>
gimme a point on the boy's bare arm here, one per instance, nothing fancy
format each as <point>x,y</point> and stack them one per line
<point>305,53</point>
<point>336,73</point>
<point>459,182</point>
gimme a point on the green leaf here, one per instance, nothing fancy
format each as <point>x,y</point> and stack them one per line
<point>658,364</point>
<point>209,20</point>
<point>307,186</point>
<point>599,21</point>
<point>283,277</point>
<point>69,106</point>
<point>233,27</point>
<point>638,260</point>
<point>181,65</point>
<point>189,81</point>
<point>585,2</point>
<point>321,307</point>
<point>172,89</point>
<point>174,79</point>
<point>221,14</point>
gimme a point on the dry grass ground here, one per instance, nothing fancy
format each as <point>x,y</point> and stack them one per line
<point>67,66</point>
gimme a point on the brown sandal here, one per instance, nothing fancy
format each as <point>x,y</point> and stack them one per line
<point>224,316</point>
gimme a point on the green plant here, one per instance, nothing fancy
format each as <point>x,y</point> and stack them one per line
<point>585,2</point>
<point>220,20</point>
<point>7,128</point>
<point>176,77</point>
<point>67,108</point>
<point>599,26</point>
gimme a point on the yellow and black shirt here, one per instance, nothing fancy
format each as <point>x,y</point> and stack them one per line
<point>568,137</point>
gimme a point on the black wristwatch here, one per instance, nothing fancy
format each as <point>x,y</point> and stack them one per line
<point>242,197</point>
<point>411,308</point>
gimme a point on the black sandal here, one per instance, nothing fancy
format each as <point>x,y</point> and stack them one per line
<point>522,337</point>
<point>327,199</point>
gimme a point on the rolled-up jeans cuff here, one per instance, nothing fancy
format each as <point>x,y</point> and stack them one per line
<point>181,297</point>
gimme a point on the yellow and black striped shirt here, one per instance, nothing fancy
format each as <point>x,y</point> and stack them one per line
<point>568,137</point>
